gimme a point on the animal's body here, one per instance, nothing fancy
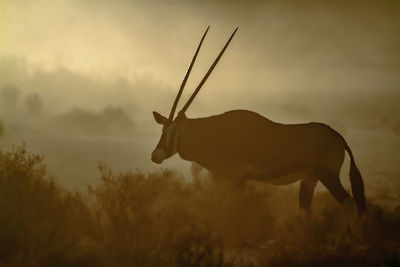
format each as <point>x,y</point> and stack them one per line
<point>242,145</point>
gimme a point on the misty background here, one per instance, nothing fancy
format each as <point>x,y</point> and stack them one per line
<point>79,79</point>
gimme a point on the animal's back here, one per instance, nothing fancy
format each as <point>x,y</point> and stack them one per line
<point>237,140</point>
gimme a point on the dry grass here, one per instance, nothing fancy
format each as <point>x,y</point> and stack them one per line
<point>160,219</point>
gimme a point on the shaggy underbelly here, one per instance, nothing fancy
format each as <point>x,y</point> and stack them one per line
<point>282,176</point>
<point>287,179</point>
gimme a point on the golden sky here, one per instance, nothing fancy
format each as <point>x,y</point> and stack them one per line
<point>157,38</point>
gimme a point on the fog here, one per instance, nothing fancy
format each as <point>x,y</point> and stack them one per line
<point>79,79</point>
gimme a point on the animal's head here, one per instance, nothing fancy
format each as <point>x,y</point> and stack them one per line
<point>169,141</point>
<point>168,144</point>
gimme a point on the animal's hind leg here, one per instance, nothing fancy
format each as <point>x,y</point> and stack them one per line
<point>332,182</point>
<point>307,187</point>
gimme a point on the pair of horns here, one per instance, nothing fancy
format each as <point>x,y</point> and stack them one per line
<point>171,115</point>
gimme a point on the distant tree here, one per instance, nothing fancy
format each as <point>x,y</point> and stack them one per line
<point>396,128</point>
<point>33,103</point>
<point>9,95</point>
<point>1,128</point>
<point>108,119</point>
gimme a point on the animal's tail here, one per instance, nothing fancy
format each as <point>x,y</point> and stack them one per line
<point>357,184</point>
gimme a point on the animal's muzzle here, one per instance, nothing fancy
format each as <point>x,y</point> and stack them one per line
<point>155,159</point>
<point>158,156</point>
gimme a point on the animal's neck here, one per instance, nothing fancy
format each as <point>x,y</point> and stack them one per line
<point>191,139</point>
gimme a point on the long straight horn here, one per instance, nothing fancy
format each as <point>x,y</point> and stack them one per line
<point>171,115</point>
<point>207,74</point>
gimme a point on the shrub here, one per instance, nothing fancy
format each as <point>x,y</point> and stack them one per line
<point>38,220</point>
<point>142,219</point>
<point>159,219</point>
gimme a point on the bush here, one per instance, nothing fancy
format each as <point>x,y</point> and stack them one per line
<point>142,219</point>
<point>159,219</point>
<point>39,222</point>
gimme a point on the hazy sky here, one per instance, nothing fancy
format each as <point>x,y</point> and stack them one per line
<point>293,61</point>
<point>321,47</point>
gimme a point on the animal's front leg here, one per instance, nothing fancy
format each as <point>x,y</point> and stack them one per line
<point>307,187</point>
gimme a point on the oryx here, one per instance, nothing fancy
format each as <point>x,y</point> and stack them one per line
<point>242,145</point>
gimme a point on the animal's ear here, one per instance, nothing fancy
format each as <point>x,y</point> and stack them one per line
<point>160,119</point>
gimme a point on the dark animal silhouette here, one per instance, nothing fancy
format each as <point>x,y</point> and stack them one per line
<point>242,145</point>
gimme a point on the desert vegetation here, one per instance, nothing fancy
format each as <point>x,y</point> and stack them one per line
<point>162,219</point>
